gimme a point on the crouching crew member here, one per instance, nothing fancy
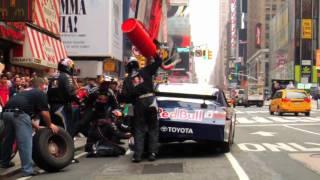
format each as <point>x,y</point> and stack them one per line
<point>18,124</point>
<point>103,132</point>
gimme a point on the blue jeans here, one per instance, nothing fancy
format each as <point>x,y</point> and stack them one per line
<point>18,126</point>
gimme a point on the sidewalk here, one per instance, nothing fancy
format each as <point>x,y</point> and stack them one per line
<point>79,143</point>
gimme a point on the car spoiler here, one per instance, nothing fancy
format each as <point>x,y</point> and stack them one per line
<point>191,96</point>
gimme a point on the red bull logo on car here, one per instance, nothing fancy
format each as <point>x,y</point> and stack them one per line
<point>196,115</point>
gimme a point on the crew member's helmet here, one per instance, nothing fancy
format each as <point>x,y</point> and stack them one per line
<point>66,65</point>
<point>132,65</point>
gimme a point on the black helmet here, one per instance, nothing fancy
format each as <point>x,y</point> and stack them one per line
<point>66,65</point>
<point>132,65</point>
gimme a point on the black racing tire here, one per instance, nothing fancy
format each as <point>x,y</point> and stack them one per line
<point>52,152</point>
<point>226,147</point>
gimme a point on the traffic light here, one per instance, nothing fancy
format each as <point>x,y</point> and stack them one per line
<point>209,54</point>
<point>205,54</point>
<point>141,61</point>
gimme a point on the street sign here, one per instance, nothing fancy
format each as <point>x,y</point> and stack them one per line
<point>306,62</point>
<point>306,28</point>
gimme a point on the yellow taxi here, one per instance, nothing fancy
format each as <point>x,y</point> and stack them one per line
<point>290,101</point>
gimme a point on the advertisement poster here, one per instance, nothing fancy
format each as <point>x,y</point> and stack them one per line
<point>92,28</point>
<point>46,15</point>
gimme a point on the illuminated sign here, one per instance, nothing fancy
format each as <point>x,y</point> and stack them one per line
<point>9,33</point>
<point>306,28</point>
<point>14,10</point>
<point>258,35</point>
<point>233,30</point>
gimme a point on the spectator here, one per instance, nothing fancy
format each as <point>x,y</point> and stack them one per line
<point>16,87</point>
<point>4,90</point>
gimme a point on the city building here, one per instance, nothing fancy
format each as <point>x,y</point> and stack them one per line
<point>261,38</point>
<point>294,42</point>
<point>218,76</point>
<point>29,36</point>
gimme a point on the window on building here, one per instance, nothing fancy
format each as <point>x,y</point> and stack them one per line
<point>267,36</point>
<point>274,7</point>
<point>268,17</point>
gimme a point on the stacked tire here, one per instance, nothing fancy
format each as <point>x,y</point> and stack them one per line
<point>52,152</point>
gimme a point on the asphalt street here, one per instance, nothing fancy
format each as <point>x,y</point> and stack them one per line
<point>266,147</point>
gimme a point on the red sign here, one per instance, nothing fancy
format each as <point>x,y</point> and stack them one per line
<point>9,33</point>
<point>258,35</point>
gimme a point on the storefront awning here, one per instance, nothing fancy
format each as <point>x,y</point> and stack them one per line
<point>39,51</point>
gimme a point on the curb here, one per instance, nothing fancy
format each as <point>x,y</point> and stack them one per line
<point>15,170</point>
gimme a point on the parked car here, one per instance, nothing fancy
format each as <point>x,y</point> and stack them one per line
<point>290,101</point>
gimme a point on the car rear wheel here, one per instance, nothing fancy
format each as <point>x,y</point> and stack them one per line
<point>296,114</point>
<point>307,113</point>
<point>52,152</point>
<point>226,147</point>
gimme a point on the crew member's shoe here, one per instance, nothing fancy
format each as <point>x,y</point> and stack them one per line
<point>34,173</point>
<point>152,157</point>
<point>75,160</point>
<point>6,166</point>
<point>136,159</point>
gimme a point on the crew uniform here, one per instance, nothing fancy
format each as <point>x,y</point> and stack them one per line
<point>103,131</point>
<point>145,111</point>
<point>18,125</point>
<point>61,93</point>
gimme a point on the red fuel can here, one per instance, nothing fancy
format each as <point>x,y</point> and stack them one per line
<point>139,37</point>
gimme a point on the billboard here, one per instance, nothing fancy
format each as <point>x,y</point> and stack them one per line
<point>92,28</point>
<point>46,14</point>
<point>258,35</point>
<point>13,10</point>
<point>233,30</point>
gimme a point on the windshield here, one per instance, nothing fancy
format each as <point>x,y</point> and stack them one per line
<point>296,95</point>
<point>194,89</point>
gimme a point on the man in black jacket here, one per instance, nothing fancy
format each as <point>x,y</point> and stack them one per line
<point>61,93</point>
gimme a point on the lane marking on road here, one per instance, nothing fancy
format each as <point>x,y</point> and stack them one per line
<point>271,125</point>
<point>302,130</point>
<point>243,120</point>
<point>261,119</point>
<point>236,166</point>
